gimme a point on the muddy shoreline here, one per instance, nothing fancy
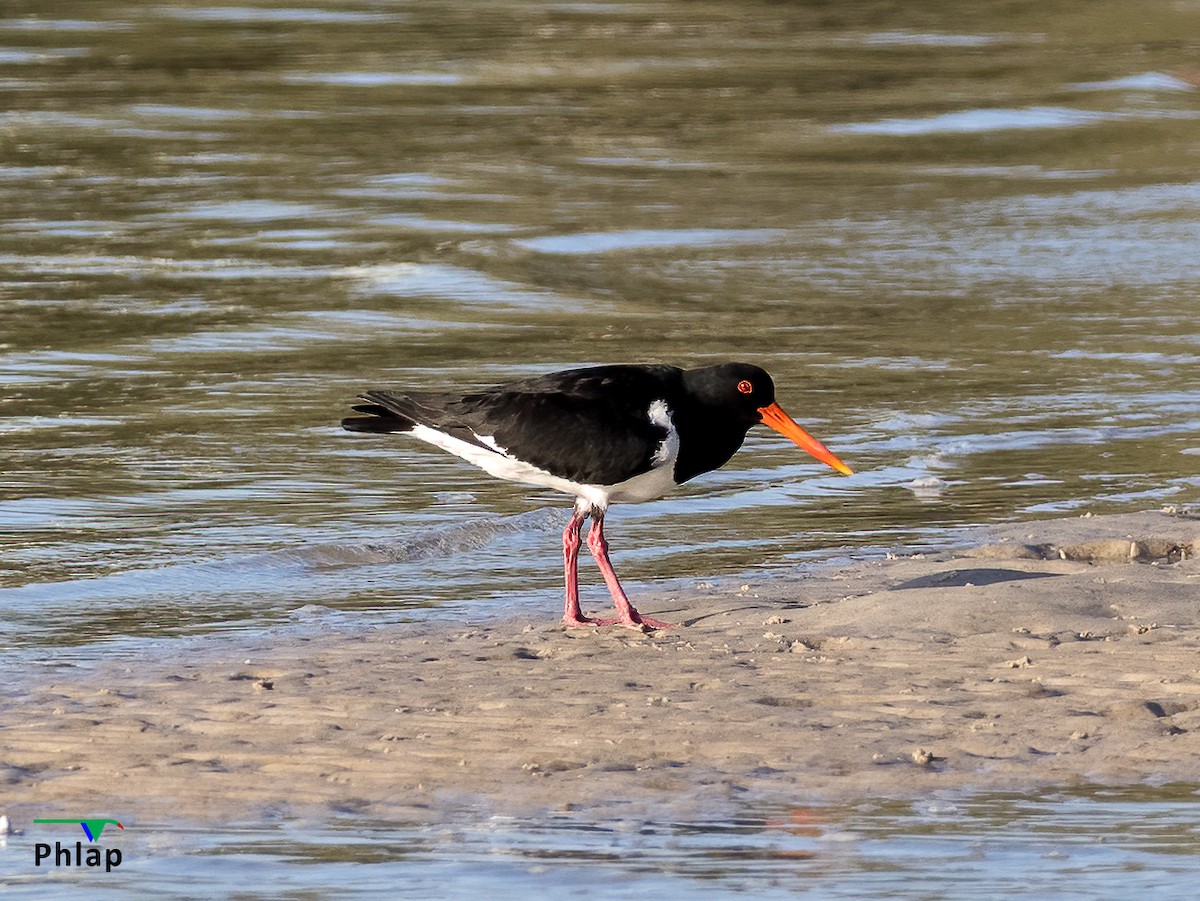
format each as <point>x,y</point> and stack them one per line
<point>1056,653</point>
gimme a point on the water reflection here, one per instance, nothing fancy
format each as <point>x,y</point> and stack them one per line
<point>1100,844</point>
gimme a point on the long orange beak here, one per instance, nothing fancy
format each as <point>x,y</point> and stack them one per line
<point>774,417</point>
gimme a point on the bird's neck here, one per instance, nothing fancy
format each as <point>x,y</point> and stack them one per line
<point>707,439</point>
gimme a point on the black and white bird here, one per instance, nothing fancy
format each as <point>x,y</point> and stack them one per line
<point>605,434</point>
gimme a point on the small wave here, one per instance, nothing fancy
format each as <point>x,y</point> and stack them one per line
<point>444,542</point>
<point>649,239</point>
<point>980,120</point>
<point>274,572</point>
<point>1147,81</point>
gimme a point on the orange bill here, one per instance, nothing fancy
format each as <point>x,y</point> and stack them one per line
<point>774,417</point>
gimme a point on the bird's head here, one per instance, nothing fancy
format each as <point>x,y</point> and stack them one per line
<point>748,392</point>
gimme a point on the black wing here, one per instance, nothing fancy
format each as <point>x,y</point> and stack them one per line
<point>591,426</point>
<point>588,425</point>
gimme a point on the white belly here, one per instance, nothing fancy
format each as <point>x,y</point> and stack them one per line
<point>644,487</point>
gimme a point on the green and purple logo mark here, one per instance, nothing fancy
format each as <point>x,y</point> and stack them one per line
<point>67,856</point>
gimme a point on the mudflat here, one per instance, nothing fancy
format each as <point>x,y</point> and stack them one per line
<point>1048,653</point>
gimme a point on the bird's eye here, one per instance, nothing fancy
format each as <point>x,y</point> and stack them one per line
<point>745,387</point>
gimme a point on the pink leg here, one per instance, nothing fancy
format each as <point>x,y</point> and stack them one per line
<point>626,614</point>
<point>572,615</point>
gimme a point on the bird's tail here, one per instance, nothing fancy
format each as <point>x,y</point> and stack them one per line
<point>392,411</point>
<point>379,420</point>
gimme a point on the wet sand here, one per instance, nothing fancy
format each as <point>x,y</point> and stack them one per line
<point>1052,653</point>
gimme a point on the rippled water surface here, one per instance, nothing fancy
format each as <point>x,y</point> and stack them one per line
<point>1078,846</point>
<point>963,236</point>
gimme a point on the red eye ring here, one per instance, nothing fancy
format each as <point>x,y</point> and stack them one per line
<point>745,387</point>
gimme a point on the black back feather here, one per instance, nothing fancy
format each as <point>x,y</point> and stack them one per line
<point>591,426</point>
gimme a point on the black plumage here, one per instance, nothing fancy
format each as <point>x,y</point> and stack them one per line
<point>590,425</point>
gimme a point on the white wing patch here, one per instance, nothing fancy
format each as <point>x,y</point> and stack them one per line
<point>490,441</point>
<point>669,449</point>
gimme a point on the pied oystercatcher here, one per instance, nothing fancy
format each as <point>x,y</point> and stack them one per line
<point>603,434</point>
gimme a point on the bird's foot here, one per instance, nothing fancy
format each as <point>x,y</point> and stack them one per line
<point>582,622</point>
<point>643,623</point>
<point>636,622</point>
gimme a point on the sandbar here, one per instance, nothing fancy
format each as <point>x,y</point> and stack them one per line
<point>1053,653</point>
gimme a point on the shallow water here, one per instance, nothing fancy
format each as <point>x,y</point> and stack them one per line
<point>962,238</point>
<point>1084,845</point>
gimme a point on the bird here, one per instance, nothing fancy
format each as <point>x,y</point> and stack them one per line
<point>618,433</point>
